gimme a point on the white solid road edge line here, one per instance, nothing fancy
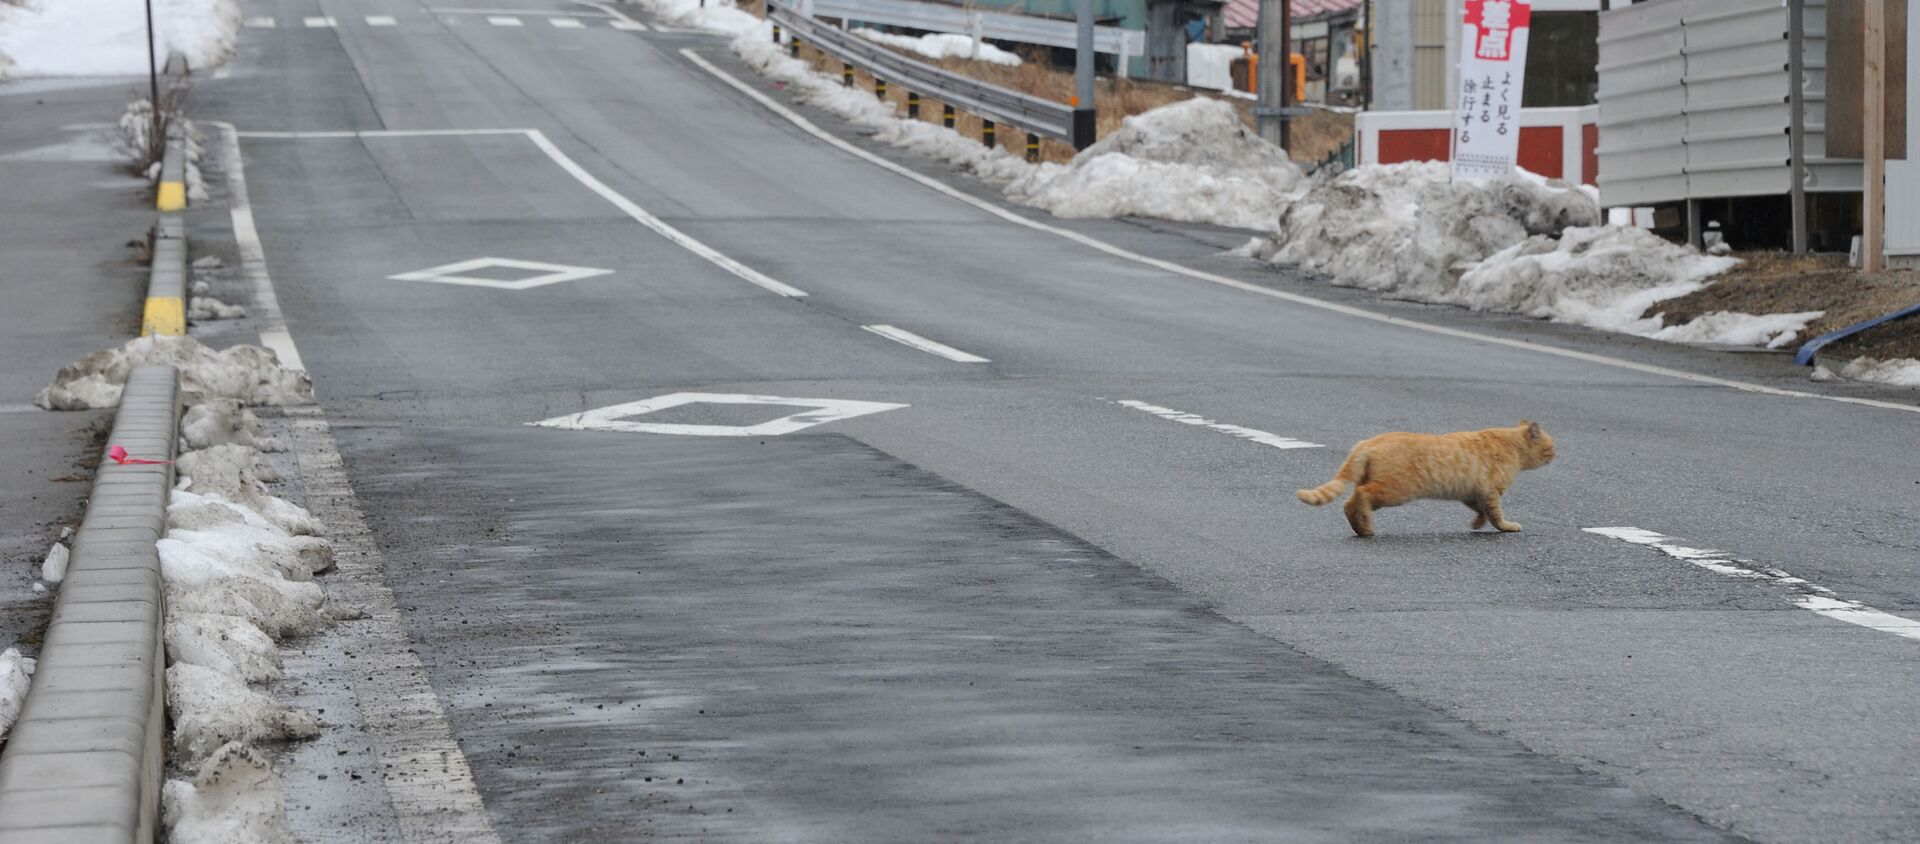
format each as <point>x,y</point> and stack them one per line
<point>1245,433</point>
<point>1349,310</point>
<point>580,174</point>
<point>1813,597</point>
<point>428,780</point>
<point>908,338</point>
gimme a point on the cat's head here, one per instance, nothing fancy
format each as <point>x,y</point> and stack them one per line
<point>1539,444</point>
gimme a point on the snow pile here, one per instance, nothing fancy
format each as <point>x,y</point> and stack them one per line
<point>54,568</point>
<point>16,674</point>
<point>1737,329</point>
<point>1404,228</point>
<point>203,308</point>
<point>942,45</point>
<point>109,37</point>
<point>223,421</point>
<point>250,374</point>
<point>714,15</point>
<point>235,798</point>
<point>1902,372</point>
<point>238,564</point>
<point>136,128</point>
<point>1193,160</point>
<point>1604,277</point>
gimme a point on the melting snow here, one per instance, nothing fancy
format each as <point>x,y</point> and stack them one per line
<point>109,37</point>
<point>942,45</point>
<point>1904,372</point>
<point>234,798</point>
<point>249,374</point>
<point>16,672</point>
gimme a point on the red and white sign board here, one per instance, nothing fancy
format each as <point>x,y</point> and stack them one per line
<point>1493,66</point>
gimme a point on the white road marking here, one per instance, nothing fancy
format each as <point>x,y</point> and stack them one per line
<point>527,12</point>
<point>427,778</point>
<point>1813,597</point>
<point>566,23</point>
<point>621,20</point>
<point>20,408</point>
<point>908,338</point>
<point>319,23</point>
<point>544,273</point>
<point>614,418</point>
<point>281,344</point>
<point>1309,301</point>
<point>381,20</point>
<point>1254,434</point>
<point>260,23</point>
<point>627,206</point>
<point>504,21</point>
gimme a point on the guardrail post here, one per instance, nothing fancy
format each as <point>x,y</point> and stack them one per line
<point>880,87</point>
<point>946,116</point>
<point>793,47</point>
<point>986,132</point>
<point>846,74</point>
<point>913,106</point>
<point>1033,147</point>
<point>776,33</point>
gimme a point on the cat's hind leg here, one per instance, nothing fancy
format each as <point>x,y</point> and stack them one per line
<point>1360,512</point>
<point>1498,518</point>
<point>1479,515</point>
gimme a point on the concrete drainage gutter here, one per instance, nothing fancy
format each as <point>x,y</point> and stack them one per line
<point>85,760</point>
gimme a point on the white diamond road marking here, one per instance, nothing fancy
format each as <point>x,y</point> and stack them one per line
<point>319,23</point>
<point>1813,597</point>
<point>545,274</point>
<point>504,21</point>
<point>381,20</point>
<point>566,23</point>
<point>1185,418</point>
<point>615,418</point>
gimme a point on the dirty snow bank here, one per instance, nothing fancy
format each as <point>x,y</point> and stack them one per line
<point>942,45</point>
<point>1193,160</point>
<point>249,374</point>
<point>1186,161</point>
<point>1606,277</point>
<point>1900,372</point>
<point>238,564</point>
<point>16,674</point>
<point>109,37</point>
<point>136,127</point>
<point>714,15</point>
<point>235,798</point>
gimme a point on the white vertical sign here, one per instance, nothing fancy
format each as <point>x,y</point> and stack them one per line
<point>1493,65</point>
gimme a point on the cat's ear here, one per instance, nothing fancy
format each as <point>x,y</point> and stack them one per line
<point>1533,430</point>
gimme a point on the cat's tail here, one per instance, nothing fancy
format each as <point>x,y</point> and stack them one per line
<point>1350,473</point>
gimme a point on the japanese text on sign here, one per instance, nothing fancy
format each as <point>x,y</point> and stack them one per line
<point>1493,61</point>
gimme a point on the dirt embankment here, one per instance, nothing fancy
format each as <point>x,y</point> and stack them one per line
<point>1779,282</point>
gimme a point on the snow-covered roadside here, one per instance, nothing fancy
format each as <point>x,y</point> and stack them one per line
<point>237,566</point>
<point>1523,245</point>
<point>1903,372</point>
<point>16,674</point>
<point>942,45</point>
<point>109,37</point>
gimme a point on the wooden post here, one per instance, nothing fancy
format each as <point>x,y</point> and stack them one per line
<point>1873,250</point>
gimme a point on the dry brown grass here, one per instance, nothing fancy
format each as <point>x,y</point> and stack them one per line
<point>1314,137</point>
<point>1780,282</point>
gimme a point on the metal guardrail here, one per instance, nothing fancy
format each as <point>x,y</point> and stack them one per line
<point>990,102</point>
<point>1004,26</point>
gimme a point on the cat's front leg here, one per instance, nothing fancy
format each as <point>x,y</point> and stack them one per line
<point>1498,518</point>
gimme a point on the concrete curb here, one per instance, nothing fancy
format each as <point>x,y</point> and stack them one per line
<point>166,308</point>
<point>86,757</point>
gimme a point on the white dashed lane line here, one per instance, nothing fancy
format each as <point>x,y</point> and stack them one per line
<point>1811,596</point>
<point>1185,418</point>
<point>381,20</point>
<point>503,20</point>
<point>319,23</point>
<point>908,338</point>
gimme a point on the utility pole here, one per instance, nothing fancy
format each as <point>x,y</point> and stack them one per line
<point>153,75</point>
<point>1276,68</point>
<point>1083,112</point>
<point>1873,250</point>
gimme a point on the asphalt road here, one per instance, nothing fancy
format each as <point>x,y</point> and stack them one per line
<point>1017,607</point>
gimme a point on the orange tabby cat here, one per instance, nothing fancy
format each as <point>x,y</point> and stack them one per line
<point>1473,467</point>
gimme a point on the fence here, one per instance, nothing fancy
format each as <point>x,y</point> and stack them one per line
<point>1559,143</point>
<point>1002,26</point>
